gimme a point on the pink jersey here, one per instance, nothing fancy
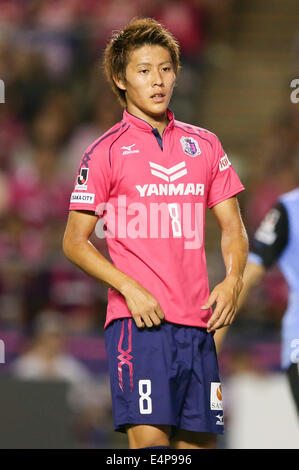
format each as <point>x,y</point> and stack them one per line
<point>150,194</point>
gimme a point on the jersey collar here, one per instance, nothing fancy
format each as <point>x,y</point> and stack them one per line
<point>141,124</point>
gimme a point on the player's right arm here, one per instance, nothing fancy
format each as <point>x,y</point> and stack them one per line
<point>77,247</point>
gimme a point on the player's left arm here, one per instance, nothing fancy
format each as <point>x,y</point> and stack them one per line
<point>234,246</point>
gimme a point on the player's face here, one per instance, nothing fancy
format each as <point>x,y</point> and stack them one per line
<point>150,79</point>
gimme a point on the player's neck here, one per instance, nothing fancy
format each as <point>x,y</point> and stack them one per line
<point>156,121</point>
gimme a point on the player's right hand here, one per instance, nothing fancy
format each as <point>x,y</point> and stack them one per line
<point>145,309</point>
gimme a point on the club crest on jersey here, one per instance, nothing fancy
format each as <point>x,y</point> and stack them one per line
<point>190,146</point>
<point>82,179</point>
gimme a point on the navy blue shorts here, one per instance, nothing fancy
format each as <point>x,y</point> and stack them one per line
<point>166,375</point>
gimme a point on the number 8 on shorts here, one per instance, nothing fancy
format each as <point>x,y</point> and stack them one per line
<point>145,401</point>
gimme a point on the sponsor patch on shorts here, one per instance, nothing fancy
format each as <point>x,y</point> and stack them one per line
<point>216,396</point>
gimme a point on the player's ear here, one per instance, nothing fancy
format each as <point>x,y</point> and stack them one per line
<point>120,83</point>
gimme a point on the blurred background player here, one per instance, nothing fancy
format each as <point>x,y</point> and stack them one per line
<point>277,241</point>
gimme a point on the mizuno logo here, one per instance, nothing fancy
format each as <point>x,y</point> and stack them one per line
<point>220,420</point>
<point>168,174</point>
<point>128,149</point>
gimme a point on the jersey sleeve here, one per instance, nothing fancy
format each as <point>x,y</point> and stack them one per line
<point>92,182</point>
<point>225,182</point>
<point>271,237</point>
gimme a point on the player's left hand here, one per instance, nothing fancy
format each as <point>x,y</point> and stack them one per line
<point>225,295</point>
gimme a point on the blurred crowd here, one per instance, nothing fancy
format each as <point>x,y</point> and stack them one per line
<point>56,103</point>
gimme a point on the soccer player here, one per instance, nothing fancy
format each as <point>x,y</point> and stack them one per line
<point>277,240</point>
<point>148,180</point>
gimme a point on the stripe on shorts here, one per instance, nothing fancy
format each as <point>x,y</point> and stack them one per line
<point>125,357</point>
